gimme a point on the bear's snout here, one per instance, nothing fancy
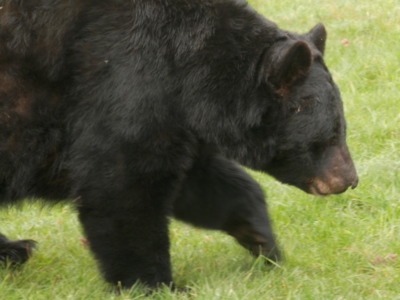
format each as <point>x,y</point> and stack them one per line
<point>338,175</point>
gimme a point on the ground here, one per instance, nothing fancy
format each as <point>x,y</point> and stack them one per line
<point>351,240</point>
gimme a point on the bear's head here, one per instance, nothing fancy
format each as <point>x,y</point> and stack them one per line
<point>310,141</point>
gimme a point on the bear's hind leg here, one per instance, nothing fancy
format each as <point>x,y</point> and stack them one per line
<point>15,252</point>
<point>219,194</point>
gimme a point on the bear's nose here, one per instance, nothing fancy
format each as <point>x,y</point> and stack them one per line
<point>354,183</point>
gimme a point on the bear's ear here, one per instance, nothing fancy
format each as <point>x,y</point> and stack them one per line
<point>317,36</point>
<point>292,63</point>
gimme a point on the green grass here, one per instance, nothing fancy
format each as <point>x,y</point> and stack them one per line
<point>339,247</point>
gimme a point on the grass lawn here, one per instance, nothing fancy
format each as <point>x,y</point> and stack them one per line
<point>338,247</point>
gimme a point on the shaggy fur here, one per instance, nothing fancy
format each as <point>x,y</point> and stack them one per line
<point>139,109</point>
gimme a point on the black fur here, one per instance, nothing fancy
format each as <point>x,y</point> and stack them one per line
<point>139,109</point>
<point>15,252</point>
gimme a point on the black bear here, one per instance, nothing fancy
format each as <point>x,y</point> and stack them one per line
<point>141,110</point>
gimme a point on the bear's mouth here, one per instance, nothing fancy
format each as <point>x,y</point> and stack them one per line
<point>334,185</point>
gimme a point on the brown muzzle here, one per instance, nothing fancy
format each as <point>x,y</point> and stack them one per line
<point>338,175</point>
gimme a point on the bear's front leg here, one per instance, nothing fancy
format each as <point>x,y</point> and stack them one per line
<point>127,230</point>
<point>218,194</point>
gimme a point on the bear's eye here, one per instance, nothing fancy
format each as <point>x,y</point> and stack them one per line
<point>295,109</point>
<point>304,104</point>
